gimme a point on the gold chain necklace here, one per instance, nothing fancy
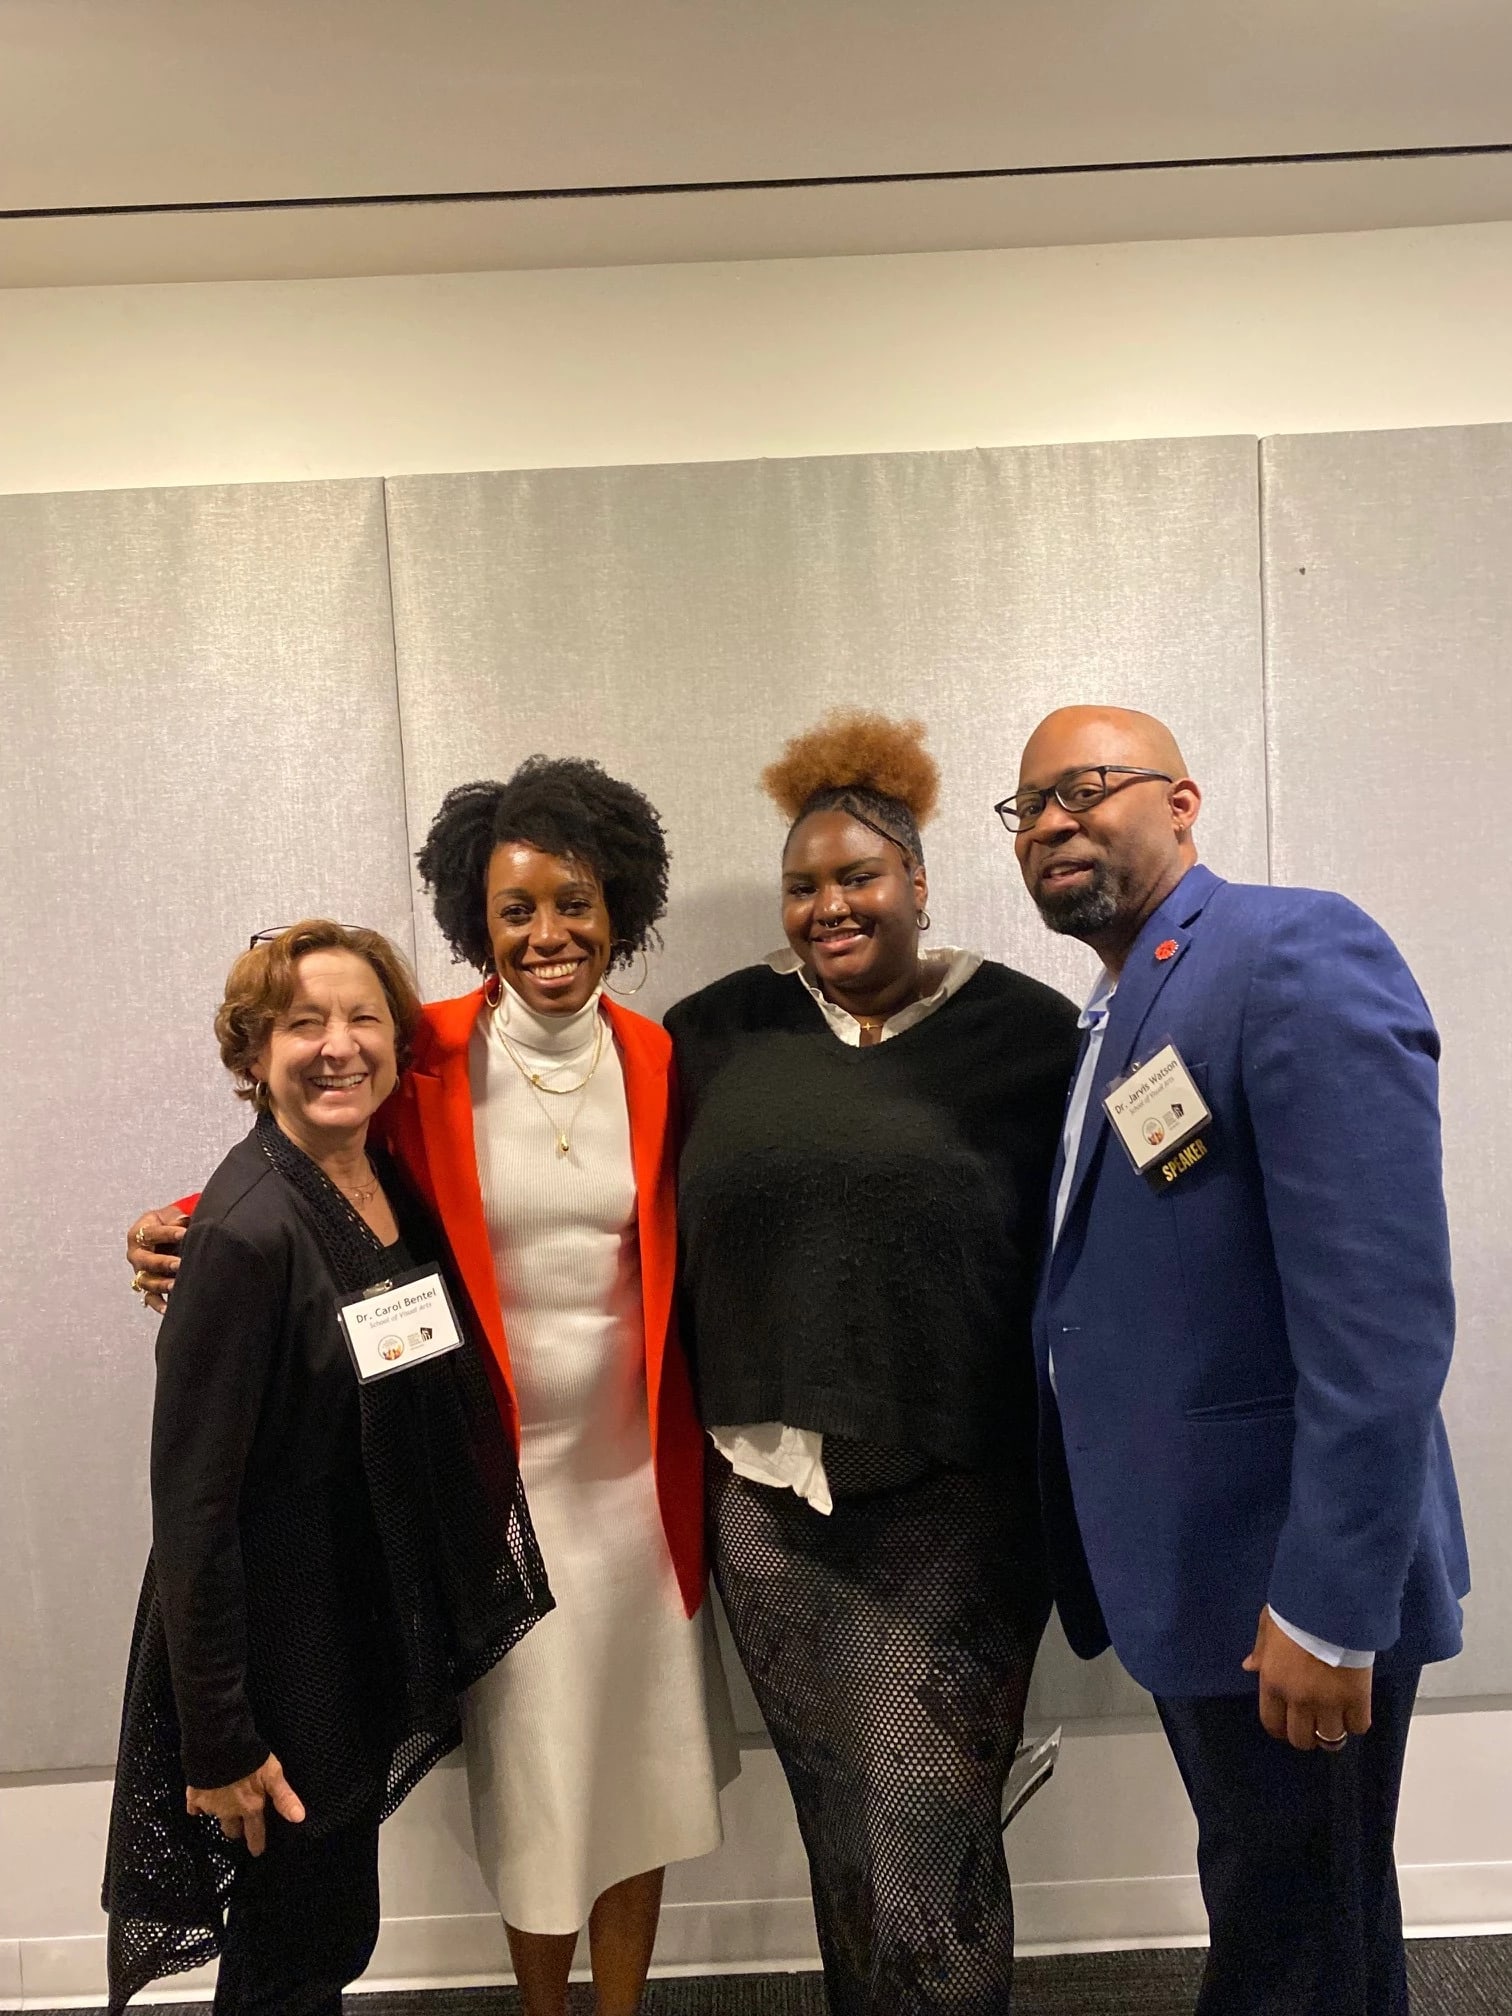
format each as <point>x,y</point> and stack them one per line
<point>535,1078</point>
<point>870,1024</point>
<point>361,1194</point>
<point>535,1088</point>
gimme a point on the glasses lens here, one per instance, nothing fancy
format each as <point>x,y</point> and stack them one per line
<point>1082,790</point>
<point>1021,812</point>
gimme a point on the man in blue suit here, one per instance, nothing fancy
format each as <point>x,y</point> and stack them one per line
<point>1243,1329</point>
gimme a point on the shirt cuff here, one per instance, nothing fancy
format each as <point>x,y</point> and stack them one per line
<point>1331,1655</point>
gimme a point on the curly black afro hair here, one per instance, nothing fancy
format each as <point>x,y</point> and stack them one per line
<point>564,805</point>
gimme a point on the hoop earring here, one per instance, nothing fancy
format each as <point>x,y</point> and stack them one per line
<point>922,920</point>
<point>624,992</point>
<point>495,979</point>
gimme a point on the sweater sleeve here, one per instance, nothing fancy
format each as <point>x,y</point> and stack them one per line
<point>214,1353</point>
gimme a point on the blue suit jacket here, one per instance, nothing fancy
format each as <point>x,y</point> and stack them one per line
<point>1248,1365</point>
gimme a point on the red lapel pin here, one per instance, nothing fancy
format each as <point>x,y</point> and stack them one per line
<point>1167,949</point>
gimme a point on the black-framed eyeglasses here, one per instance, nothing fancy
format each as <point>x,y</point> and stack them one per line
<point>1077,791</point>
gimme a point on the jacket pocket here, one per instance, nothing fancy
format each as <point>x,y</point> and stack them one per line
<point>1267,1407</point>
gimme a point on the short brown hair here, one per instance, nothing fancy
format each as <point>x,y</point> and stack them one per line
<point>854,761</point>
<point>261,984</point>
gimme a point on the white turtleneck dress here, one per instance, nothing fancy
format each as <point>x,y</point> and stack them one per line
<point>597,1747</point>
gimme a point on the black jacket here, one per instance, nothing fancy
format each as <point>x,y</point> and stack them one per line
<point>331,1564</point>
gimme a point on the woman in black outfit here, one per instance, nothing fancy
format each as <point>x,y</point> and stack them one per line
<point>333,1557</point>
<point>869,1136</point>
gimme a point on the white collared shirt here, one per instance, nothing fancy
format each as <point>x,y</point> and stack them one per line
<point>947,970</point>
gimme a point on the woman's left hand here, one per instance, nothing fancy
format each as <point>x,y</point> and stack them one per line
<point>241,1808</point>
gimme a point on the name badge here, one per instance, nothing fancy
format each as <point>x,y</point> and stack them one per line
<point>399,1323</point>
<point>1161,1118</point>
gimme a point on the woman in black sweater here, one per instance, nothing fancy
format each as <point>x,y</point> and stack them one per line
<point>869,1136</point>
<point>340,1543</point>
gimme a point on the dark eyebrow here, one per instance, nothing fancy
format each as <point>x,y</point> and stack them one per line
<point>861,861</point>
<point>563,889</point>
<point>1072,770</point>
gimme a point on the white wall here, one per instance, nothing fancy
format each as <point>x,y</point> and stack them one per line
<point>248,382</point>
<point>254,381</point>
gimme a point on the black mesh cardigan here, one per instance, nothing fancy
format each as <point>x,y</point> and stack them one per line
<point>332,1563</point>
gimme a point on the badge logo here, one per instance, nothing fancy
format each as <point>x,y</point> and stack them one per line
<point>1167,949</point>
<point>1154,1133</point>
<point>391,1348</point>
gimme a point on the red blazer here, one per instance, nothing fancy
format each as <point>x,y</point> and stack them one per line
<point>428,1124</point>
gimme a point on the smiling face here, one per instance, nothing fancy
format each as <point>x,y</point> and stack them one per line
<point>548,926</point>
<point>850,907</point>
<point>329,1061</point>
<point>1097,875</point>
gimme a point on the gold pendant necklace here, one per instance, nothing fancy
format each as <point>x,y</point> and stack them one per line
<point>535,1088</point>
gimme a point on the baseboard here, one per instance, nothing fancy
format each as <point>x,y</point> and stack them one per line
<point>771,1935</point>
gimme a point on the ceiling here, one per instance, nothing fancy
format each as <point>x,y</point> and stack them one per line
<point>109,103</point>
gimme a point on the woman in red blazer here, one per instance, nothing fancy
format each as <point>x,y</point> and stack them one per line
<point>535,1121</point>
<point>429,1127</point>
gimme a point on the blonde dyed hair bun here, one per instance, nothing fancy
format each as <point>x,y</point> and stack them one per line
<point>867,764</point>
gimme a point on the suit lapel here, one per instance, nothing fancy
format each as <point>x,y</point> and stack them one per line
<point>645,1072</point>
<point>1166,932</point>
<point>443,1097</point>
<point>1083,1147</point>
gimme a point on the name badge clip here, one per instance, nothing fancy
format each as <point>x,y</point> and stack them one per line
<point>400,1323</point>
<point>1161,1118</point>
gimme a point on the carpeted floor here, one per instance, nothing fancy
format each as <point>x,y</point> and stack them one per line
<point>1450,1977</point>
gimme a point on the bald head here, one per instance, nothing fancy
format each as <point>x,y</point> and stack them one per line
<point>1073,736</point>
<point>1101,852</point>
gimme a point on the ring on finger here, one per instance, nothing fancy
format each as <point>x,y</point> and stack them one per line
<point>1330,1742</point>
<point>139,1238</point>
<point>141,1282</point>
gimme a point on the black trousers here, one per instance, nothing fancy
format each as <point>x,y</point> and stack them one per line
<point>301,1922</point>
<point>1295,1857</point>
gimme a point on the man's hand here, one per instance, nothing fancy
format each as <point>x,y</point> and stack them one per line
<point>1303,1699</point>
<point>152,1256</point>
<point>240,1807</point>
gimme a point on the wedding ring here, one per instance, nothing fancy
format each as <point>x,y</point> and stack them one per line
<point>1330,1742</point>
<point>140,1282</point>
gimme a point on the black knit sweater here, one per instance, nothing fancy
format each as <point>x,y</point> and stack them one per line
<point>860,1227</point>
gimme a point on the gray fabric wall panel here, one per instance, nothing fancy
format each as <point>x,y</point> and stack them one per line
<point>1388,588</point>
<point>679,623</point>
<point>198,737</point>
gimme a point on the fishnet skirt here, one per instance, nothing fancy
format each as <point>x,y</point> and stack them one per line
<point>889,1646</point>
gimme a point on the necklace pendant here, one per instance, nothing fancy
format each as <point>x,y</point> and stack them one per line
<point>563,1145</point>
<point>535,1077</point>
